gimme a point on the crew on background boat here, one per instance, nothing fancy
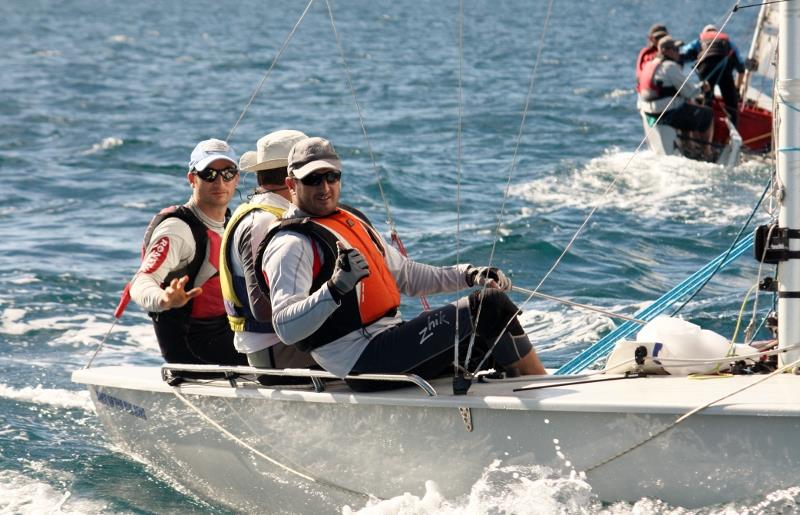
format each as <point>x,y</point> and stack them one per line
<point>335,288</point>
<point>662,78</point>
<point>650,51</point>
<point>719,57</point>
<point>249,311</point>
<point>178,282</point>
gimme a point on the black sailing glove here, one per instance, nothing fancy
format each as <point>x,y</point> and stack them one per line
<point>493,277</point>
<point>350,268</point>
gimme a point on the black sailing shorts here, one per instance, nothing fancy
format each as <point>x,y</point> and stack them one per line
<point>425,345</point>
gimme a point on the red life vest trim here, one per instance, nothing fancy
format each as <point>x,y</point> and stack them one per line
<point>210,303</point>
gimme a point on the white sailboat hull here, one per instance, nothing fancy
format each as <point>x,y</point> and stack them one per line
<point>663,140</point>
<point>385,444</point>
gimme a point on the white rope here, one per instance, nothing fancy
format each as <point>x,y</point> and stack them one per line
<point>269,70</point>
<point>754,314</point>
<point>605,194</point>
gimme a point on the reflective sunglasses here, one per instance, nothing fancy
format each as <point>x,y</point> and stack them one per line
<point>210,175</point>
<point>315,179</point>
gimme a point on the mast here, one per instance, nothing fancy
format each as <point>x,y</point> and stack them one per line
<point>788,170</point>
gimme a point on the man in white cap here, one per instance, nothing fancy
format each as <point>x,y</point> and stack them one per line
<point>335,288</point>
<point>178,282</point>
<point>249,311</point>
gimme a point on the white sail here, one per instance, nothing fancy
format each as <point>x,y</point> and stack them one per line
<point>757,86</point>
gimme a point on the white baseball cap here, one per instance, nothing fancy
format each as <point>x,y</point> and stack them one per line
<point>208,151</point>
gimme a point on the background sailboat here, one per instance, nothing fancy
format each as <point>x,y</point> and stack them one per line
<point>752,134</point>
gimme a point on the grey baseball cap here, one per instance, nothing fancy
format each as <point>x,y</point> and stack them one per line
<point>312,154</point>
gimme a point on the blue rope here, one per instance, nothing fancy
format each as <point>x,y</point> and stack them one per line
<point>695,282</point>
<point>605,344</point>
<point>789,149</point>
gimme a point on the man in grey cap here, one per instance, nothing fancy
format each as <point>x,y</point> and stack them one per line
<point>178,281</point>
<point>335,288</point>
<point>662,79</point>
<point>249,312</point>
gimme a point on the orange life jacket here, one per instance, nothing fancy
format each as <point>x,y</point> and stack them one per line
<point>374,297</point>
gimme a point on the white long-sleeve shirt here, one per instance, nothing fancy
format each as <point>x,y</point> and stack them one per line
<point>296,313</point>
<point>670,74</point>
<point>146,288</point>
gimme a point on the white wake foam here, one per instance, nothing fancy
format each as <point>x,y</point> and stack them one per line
<point>20,494</point>
<point>105,144</point>
<point>537,490</point>
<point>655,187</point>
<point>501,489</point>
<point>80,331</point>
<point>48,396</point>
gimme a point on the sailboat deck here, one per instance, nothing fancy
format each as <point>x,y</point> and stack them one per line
<point>777,396</point>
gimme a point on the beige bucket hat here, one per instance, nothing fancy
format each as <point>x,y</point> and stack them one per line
<point>273,149</point>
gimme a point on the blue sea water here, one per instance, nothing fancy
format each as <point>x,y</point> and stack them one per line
<point>102,102</point>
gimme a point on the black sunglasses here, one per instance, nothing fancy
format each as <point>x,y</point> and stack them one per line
<point>210,175</point>
<point>315,179</point>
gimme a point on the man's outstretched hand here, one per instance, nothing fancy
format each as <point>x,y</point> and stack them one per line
<point>175,296</point>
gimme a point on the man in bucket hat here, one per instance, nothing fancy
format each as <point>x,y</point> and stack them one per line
<point>178,282</point>
<point>249,312</point>
<point>335,288</point>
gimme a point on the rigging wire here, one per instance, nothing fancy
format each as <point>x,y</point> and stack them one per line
<point>457,335</point>
<point>578,305</point>
<point>739,7</point>
<point>608,189</point>
<point>511,168</point>
<point>269,70</point>
<point>101,344</point>
<point>727,253</point>
<point>389,219</point>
